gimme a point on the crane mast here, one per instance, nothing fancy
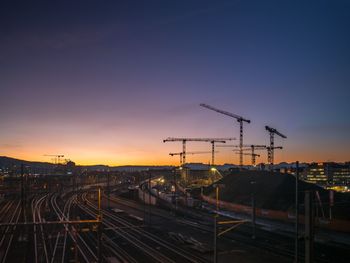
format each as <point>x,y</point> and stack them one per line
<point>270,152</point>
<point>240,119</point>
<point>213,151</point>
<point>271,149</point>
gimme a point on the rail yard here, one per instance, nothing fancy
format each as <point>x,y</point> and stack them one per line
<point>97,221</point>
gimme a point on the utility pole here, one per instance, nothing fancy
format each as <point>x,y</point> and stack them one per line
<point>215,238</point>
<point>108,190</point>
<point>23,204</point>
<point>309,227</point>
<point>22,192</point>
<point>296,212</point>
<point>252,183</point>
<point>149,198</point>
<point>240,119</point>
<point>99,226</point>
<point>99,204</point>
<point>216,224</point>
<point>175,192</point>
<point>331,203</point>
<point>144,201</point>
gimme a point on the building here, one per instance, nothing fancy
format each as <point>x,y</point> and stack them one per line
<point>328,174</point>
<point>198,174</point>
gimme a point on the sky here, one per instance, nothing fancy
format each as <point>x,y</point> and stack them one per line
<point>104,82</point>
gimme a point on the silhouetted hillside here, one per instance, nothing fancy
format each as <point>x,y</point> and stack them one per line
<point>15,164</point>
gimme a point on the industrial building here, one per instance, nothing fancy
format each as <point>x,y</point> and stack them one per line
<point>328,174</point>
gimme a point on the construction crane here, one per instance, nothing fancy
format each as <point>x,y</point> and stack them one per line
<point>253,155</point>
<point>251,147</point>
<point>181,153</point>
<point>57,157</point>
<point>269,149</point>
<point>211,140</point>
<point>240,119</point>
<point>213,150</point>
<point>270,152</point>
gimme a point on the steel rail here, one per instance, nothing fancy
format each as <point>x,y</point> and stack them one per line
<point>82,246</point>
<point>128,203</point>
<point>37,212</point>
<point>180,252</point>
<point>16,214</point>
<point>156,255</point>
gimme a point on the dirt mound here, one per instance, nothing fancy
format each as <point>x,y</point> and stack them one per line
<point>274,191</point>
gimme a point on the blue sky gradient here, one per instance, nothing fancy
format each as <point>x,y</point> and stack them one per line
<point>106,81</point>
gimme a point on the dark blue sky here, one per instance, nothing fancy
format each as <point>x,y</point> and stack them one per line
<point>108,80</point>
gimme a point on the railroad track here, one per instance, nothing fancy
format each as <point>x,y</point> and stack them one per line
<point>111,250</point>
<point>275,244</point>
<point>141,239</point>
<point>86,251</point>
<point>60,238</point>
<point>38,230</point>
<point>8,232</point>
<point>5,207</point>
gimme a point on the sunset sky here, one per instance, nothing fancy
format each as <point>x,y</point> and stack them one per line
<point>104,82</point>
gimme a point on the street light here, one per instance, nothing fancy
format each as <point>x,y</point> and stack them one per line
<point>216,172</point>
<point>213,170</point>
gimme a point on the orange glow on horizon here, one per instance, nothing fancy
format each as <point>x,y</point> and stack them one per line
<point>91,158</point>
<point>94,148</point>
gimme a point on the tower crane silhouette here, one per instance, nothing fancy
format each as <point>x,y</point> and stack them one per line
<point>247,147</point>
<point>271,148</point>
<point>240,119</point>
<point>185,140</point>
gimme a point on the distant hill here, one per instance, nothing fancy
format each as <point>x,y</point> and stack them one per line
<point>13,163</point>
<point>125,168</point>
